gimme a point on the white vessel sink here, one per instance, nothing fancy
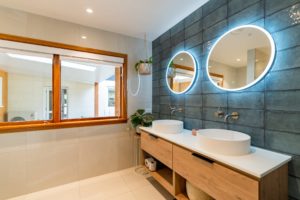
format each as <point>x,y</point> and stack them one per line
<point>224,142</point>
<point>168,126</point>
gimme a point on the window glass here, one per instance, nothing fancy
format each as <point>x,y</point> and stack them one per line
<point>25,75</point>
<point>90,88</point>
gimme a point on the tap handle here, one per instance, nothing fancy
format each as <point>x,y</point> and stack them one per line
<point>219,113</point>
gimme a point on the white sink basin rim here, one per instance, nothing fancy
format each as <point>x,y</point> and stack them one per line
<point>168,126</point>
<point>224,142</point>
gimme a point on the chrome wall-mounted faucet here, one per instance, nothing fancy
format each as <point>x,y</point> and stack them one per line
<point>233,115</point>
<point>174,109</point>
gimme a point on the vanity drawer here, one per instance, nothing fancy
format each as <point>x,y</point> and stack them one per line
<point>158,148</point>
<point>216,180</point>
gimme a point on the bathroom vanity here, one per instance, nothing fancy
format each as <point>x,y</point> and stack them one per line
<point>260,174</point>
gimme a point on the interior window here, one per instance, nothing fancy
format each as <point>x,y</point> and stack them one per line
<point>45,85</point>
<point>93,88</point>
<point>24,75</point>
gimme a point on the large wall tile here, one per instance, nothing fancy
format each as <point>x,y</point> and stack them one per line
<point>284,42</point>
<point>13,174</point>
<point>177,28</point>
<point>209,114</point>
<point>294,187</point>
<point>192,18</point>
<point>257,134</point>
<point>294,166</point>
<point>165,100</point>
<point>177,99</point>
<point>276,5</point>
<point>281,19</point>
<point>193,29</point>
<point>193,100</point>
<point>215,17</point>
<point>287,59</point>
<point>215,100</point>
<point>212,5</point>
<point>165,36</point>
<point>208,88</point>
<point>282,141</point>
<point>235,6</point>
<point>193,41</point>
<point>250,14</point>
<point>177,38</point>
<point>12,142</point>
<point>190,123</point>
<point>193,112</point>
<point>247,117</point>
<point>285,100</point>
<point>283,80</point>
<point>251,100</point>
<point>212,124</point>
<point>215,31</point>
<point>283,121</point>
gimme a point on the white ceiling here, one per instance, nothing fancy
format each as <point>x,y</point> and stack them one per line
<point>128,17</point>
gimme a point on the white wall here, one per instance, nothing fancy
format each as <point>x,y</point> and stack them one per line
<point>36,160</point>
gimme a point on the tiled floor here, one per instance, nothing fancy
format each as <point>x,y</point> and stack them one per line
<point>121,185</point>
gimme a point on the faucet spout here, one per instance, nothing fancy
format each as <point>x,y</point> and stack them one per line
<point>233,115</point>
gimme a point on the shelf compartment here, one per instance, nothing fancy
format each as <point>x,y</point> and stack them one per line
<point>164,176</point>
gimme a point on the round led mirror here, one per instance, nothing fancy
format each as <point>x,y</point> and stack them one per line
<point>181,72</point>
<point>240,58</point>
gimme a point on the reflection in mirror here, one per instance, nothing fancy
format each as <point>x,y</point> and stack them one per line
<point>181,72</point>
<point>240,58</point>
<point>24,75</point>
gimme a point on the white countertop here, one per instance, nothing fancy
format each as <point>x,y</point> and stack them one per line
<point>258,163</point>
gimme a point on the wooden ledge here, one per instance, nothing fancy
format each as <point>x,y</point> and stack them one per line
<point>63,124</point>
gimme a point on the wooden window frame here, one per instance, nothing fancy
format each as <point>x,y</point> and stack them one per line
<point>57,122</point>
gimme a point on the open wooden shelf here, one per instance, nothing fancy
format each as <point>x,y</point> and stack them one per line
<point>165,177</point>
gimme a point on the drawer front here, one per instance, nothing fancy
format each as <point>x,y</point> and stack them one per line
<point>158,148</point>
<point>214,179</point>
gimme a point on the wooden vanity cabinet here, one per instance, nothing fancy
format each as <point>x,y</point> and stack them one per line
<point>216,179</point>
<point>158,148</point>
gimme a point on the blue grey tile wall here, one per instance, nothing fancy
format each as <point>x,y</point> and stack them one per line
<point>270,110</point>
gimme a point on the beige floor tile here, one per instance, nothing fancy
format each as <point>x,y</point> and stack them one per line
<point>120,185</point>
<point>134,180</point>
<point>126,196</point>
<point>147,193</point>
<point>18,198</point>
<point>64,192</point>
<point>103,187</point>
